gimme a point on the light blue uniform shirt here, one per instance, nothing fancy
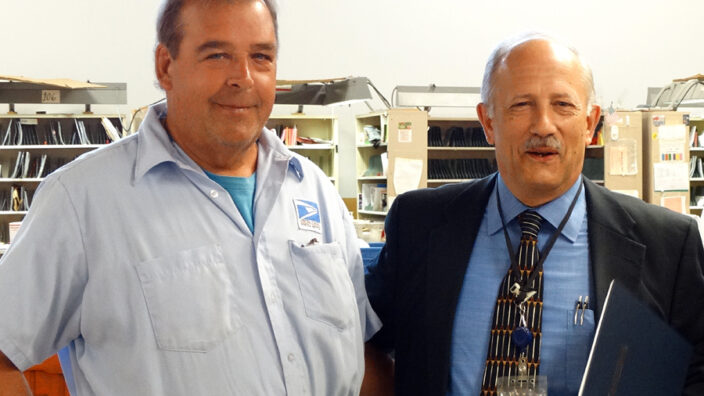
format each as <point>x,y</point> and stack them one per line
<point>143,265</point>
<point>567,275</point>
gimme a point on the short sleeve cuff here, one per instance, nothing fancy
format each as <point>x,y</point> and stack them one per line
<point>16,356</point>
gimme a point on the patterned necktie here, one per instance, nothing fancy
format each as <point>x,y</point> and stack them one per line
<point>502,355</point>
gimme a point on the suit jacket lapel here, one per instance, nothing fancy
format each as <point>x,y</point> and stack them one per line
<point>449,250</point>
<point>614,250</point>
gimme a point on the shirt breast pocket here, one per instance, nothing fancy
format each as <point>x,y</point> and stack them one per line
<point>190,299</point>
<point>326,288</point>
<point>578,345</point>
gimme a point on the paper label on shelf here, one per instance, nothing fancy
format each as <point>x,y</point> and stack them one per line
<point>29,121</point>
<point>51,96</point>
<point>13,228</point>
<point>672,150</point>
<point>614,132</point>
<point>623,158</point>
<point>672,132</point>
<point>407,174</point>
<point>658,120</point>
<point>612,118</point>
<point>672,142</point>
<point>671,176</point>
<point>675,203</point>
<point>405,135</point>
<point>405,132</point>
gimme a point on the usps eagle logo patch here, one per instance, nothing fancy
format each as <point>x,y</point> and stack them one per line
<point>308,215</point>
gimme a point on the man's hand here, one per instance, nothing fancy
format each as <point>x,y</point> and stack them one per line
<point>12,382</point>
<point>378,373</point>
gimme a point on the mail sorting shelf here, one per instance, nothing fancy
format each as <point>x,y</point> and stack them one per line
<point>437,155</point>
<point>457,150</point>
<point>696,180</point>
<point>371,145</point>
<point>41,156</point>
<point>594,163</point>
<point>315,138</point>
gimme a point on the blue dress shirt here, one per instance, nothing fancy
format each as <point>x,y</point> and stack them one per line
<point>567,275</point>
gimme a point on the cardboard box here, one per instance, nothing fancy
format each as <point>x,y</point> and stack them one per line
<point>623,152</point>
<point>408,148</point>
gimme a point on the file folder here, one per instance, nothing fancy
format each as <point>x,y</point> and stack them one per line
<point>634,351</point>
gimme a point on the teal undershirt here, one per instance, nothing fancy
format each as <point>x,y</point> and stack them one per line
<point>241,190</point>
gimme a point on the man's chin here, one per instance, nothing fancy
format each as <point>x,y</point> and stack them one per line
<point>543,182</point>
<point>239,138</point>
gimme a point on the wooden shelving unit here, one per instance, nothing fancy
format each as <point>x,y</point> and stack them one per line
<point>324,128</point>
<point>38,128</point>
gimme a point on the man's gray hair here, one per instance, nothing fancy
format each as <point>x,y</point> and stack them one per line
<point>502,51</point>
<point>169,28</point>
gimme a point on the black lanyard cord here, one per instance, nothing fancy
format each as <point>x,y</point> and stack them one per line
<point>546,250</point>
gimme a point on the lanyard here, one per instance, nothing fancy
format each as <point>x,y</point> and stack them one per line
<point>546,250</point>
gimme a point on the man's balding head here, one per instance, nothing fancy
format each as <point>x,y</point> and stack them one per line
<point>504,50</point>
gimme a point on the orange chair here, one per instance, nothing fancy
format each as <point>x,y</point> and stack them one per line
<point>46,378</point>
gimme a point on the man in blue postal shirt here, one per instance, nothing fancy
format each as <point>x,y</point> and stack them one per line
<point>198,256</point>
<point>436,284</point>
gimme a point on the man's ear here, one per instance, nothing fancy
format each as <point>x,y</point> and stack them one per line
<point>592,121</point>
<point>162,61</point>
<point>486,121</point>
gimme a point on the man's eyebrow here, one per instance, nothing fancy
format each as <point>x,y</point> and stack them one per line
<point>212,44</point>
<point>218,44</point>
<point>562,95</point>
<point>264,47</point>
<point>523,96</point>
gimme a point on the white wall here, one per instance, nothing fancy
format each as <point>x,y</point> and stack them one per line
<point>631,45</point>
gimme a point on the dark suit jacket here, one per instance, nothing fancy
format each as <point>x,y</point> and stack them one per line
<point>414,288</point>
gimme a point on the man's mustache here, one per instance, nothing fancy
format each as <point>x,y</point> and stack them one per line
<point>549,141</point>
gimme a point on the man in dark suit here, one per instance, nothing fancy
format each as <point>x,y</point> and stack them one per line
<point>447,250</point>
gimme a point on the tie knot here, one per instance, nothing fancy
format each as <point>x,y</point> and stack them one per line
<point>530,221</point>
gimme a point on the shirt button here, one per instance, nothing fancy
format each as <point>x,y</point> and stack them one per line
<point>291,357</point>
<point>214,194</point>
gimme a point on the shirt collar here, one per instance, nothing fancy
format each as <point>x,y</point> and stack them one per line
<point>272,148</point>
<point>155,147</point>
<point>552,212</point>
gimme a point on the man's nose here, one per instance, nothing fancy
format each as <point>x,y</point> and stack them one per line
<point>240,75</point>
<point>543,122</point>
